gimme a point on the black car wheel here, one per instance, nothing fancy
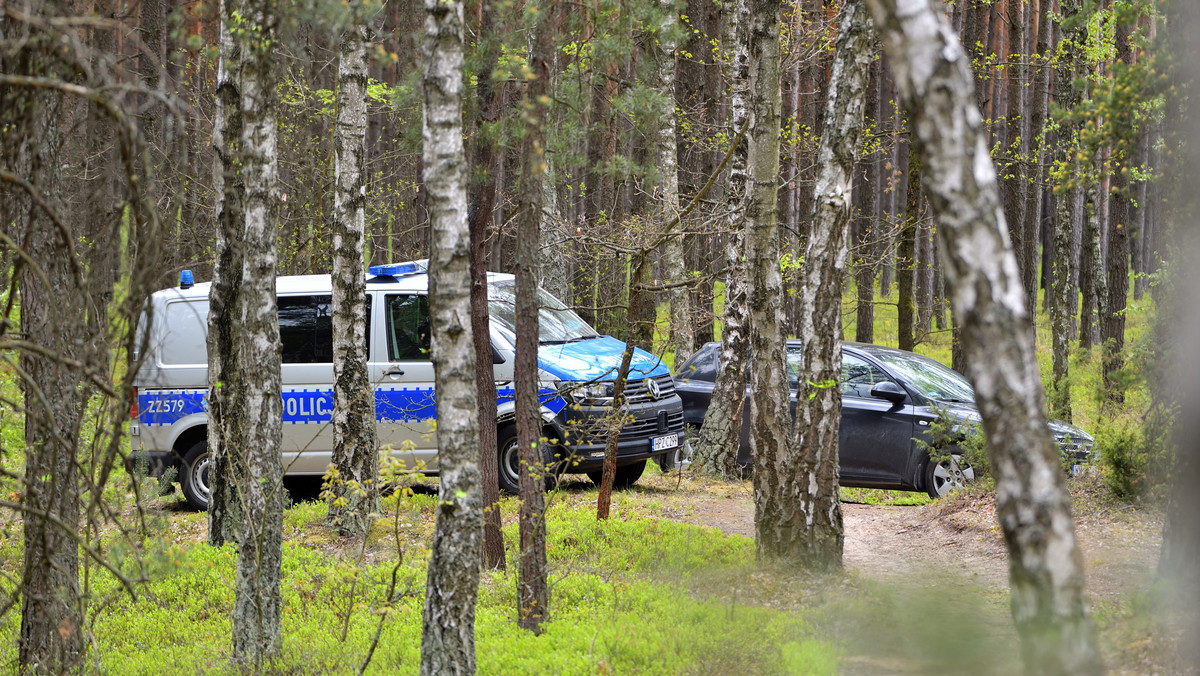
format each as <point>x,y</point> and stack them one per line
<point>194,477</point>
<point>625,477</point>
<point>948,475</point>
<point>509,463</point>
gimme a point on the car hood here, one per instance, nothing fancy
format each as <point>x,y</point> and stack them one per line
<point>597,359</point>
<point>967,413</point>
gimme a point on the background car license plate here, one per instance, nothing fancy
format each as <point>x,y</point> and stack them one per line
<point>663,443</point>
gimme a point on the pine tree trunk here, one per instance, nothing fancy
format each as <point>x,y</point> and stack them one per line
<point>716,450</point>
<point>807,524</point>
<point>52,316</point>
<point>1063,287</point>
<point>486,174</point>
<point>770,418</point>
<point>355,451</point>
<point>1032,212</point>
<point>1046,567</point>
<point>533,591</point>
<point>907,254</point>
<point>448,636</point>
<point>1112,326</point>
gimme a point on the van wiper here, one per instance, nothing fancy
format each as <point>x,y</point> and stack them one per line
<point>564,341</point>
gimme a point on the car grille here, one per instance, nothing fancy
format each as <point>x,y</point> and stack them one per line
<point>641,391</point>
<point>593,430</point>
<point>1074,447</point>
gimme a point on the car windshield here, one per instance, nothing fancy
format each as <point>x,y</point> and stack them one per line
<point>557,324</point>
<point>930,378</point>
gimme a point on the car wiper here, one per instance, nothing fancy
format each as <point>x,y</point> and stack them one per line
<point>564,341</point>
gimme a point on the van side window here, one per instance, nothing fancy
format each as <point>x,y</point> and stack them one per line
<point>306,328</point>
<point>407,328</point>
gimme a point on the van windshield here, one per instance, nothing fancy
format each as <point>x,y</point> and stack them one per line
<point>556,322</point>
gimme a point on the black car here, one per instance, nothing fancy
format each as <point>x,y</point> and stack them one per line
<point>890,398</point>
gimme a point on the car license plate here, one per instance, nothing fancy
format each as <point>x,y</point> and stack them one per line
<point>664,443</point>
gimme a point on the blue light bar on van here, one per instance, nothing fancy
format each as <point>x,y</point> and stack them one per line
<point>397,269</point>
<point>186,280</point>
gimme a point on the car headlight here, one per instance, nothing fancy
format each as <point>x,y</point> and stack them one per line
<point>593,393</point>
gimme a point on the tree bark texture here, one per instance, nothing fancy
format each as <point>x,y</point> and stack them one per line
<point>448,630</point>
<point>716,449</point>
<point>252,408</point>
<point>683,341</point>
<point>1068,202</point>
<point>906,257</point>
<point>355,487</point>
<point>806,478</point>
<point>1112,326</point>
<point>1032,211</point>
<point>770,417</point>
<point>486,175</point>
<point>52,316</point>
<point>224,298</point>
<point>533,590</point>
<point>1045,565</point>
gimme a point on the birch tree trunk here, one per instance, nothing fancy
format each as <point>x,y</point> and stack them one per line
<point>1045,565</point>
<point>533,590</point>
<point>448,635</point>
<point>243,317</point>
<point>716,450</point>
<point>770,417</point>
<point>811,535</point>
<point>224,510</point>
<point>683,341</point>
<point>355,450</point>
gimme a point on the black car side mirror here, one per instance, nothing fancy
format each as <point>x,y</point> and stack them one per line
<point>890,391</point>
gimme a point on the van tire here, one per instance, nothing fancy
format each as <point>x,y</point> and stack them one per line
<point>508,463</point>
<point>194,475</point>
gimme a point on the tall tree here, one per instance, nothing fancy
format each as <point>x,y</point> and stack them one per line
<point>1027,256</point>
<point>720,434</point>
<point>808,528</point>
<point>1045,565</point>
<point>680,299</point>
<point>907,254</point>
<point>51,285</point>
<point>485,175</point>
<point>355,489</point>
<point>247,358</point>
<point>1069,196</point>
<point>448,636</point>
<point>1112,324</point>
<point>533,590</point>
<point>770,417</point>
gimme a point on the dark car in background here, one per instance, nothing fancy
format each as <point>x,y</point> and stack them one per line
<point>890,398</point>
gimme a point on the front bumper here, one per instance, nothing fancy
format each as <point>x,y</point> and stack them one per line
<point>583,433</point>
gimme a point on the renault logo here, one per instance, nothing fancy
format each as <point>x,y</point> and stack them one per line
<point>652,388</point>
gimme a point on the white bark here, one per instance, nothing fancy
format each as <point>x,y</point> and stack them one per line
<point>770,415</point>
<point>355,456</point>
<point>448,637</point>
<point>1045,566</point>
<point>683,341</point>
<point>810,522</point>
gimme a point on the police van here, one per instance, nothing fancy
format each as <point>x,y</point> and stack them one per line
<point>577,368</point>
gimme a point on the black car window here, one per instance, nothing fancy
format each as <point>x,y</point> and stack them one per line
<point>859,376</point>
<point>932,379</point>
<point>703,367</point>
<point>407,328</point>
<point>306,328</point>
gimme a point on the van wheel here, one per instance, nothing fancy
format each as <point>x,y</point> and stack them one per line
<point>509,462</point>
<point>508,466</point>
<point>195,476</point>
<point>625,477</point>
